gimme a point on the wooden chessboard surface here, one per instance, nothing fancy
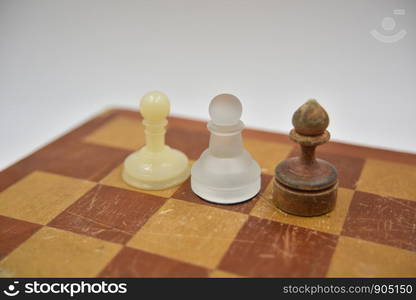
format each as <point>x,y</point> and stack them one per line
<point>65,212</point>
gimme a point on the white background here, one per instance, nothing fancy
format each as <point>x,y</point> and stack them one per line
<point>63,61</point>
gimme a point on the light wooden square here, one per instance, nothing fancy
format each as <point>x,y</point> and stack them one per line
<point>267,154</point>
<point>120,132</point>
<point>389,179</point>
<point>330,223</point>
<point>41,196</point>
<point>359,258</point>
<point>223,274</point>
<point>193,233</point>
<point>57,253</point>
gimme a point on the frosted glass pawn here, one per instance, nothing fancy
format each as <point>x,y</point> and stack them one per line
<point>155,166</point>
<point>225,173</point>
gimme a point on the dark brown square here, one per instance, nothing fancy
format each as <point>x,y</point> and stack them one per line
<point>189,141</point>
<point>14,232</point>
<point>265,248</point>
<point>384,220</point>
<point>349,168</point>
<point>8,178</point>
<point>109,213</point>
<point>72,159</point>
<point>136,263</point>
<point>185,193</point>
<point>81,224</point>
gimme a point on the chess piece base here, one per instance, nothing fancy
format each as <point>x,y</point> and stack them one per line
<point>225,180</point>
<point>304,203</point>
<point>226,196</point>
<point>156,170</point>
<point>313,176</point>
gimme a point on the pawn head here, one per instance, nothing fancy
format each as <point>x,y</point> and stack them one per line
<point>154,106</point>
<point>225,110</point>
<point>310,119</point>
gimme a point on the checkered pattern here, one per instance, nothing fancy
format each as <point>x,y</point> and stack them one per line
<point>64,211</point>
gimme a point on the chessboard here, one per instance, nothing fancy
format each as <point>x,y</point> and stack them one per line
<point>65,212</point>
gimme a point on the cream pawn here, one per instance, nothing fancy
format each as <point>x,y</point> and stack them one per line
<point>155,166</point>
